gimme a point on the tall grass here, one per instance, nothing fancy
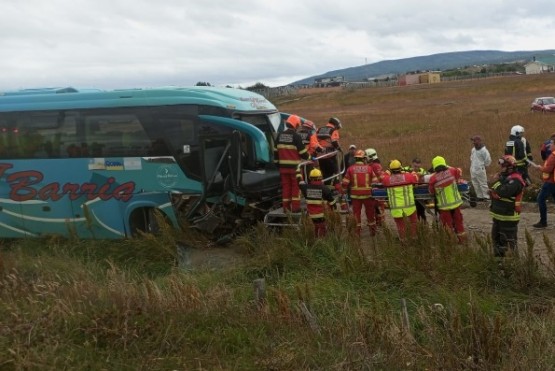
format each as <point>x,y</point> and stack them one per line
<point>333,303</point>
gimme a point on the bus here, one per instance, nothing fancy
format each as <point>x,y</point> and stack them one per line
<point>101,164</point>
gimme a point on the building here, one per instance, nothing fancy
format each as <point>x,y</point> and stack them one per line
<point>540,64</point>
<point>419,78</point>
<point>325,82</point>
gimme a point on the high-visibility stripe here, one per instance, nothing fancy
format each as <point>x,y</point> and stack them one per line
<point>506,218</point>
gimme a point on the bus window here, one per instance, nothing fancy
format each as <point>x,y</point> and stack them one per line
<point>115,135</point>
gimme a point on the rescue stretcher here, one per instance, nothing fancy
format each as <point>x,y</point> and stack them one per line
<point>279,218</point>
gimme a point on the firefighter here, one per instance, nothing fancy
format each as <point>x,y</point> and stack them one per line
<point>506,195</point>
<point>518,147</point>
<point>373,160</point>
<point>289,152</point>
<point>416,167</point>
<point>328,137</point>
<point>307,131</point>
<point>317,195</point>
<point>358,181</point>
<point>448,200</point>
<point>400,195</point>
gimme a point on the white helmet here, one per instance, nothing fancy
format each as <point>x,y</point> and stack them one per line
<point>517,130</point>
<point>371,154</point>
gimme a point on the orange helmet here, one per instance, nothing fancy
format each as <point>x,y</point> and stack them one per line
<point>507,161</point>
<point>309,124</point>
<point>360,154</point>
<point>293,121</point>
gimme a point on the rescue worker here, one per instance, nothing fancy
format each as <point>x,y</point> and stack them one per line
<point>288,153</point>
<point>400,196</point>
<point>506,195</point>
<point>317,196</point>
<point>307,131</point>
<point>479,160</point>
<point>328,137</point>
<point>373,160</point>
<point>448,200</point>
<point>416,168</point>
<point>548,185</point>
<point>358,181</point>
<point>518,147</point>
<point>349,158</point>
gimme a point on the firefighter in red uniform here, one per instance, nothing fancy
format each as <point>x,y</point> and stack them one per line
<point>374,161</point>
<point>289,152</point>
<point>358,180</point>
<point>317,195</point>
<point>328,137</point>
<point>400,195</point>
<point>443,186</point>
<point>307,131</point>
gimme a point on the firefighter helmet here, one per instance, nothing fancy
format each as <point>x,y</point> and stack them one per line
<point>309,125</point>
<point>371,154</point>
<point>360,154</point>
<point>293,121</point>
<point>438,161</point>
<point>335,121</point>
<point>315,174</point>
<point>507,161</point>
<point>395,165</point>
<point>517,130</point>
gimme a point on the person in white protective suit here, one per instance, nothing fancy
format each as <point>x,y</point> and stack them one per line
<point>480,159</point>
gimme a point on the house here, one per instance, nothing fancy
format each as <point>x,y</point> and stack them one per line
<point>419,78</point>
<point>324,82</point>
<point>540,64</point>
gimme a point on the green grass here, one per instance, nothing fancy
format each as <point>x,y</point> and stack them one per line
<point>329,304</point>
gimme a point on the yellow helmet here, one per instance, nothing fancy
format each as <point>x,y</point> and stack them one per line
<point>315,174</point>
<point>395,165</point>
<point>438,161</point>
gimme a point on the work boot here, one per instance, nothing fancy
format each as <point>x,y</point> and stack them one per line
<point>540,225</point>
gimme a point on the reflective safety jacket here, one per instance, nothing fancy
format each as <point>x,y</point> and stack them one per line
<point>317,195</point>
<point>289,151</point>
<point>328,137</point>
<point>400,193</point>
<point>443,184</point>
<point>378,171</point>
<point>520,149</point>
<point>506,197</point>
<point>310,140</point>
<point>358,178</point>
<point>548,168</point>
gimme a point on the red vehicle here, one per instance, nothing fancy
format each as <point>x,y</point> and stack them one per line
<point>543,104</point>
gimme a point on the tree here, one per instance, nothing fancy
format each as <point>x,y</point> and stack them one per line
<point>202,83</point>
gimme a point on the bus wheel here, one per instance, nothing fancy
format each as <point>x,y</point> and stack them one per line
<point>143,220</point>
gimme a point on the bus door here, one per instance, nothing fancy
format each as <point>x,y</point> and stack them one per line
<point>214,155</point>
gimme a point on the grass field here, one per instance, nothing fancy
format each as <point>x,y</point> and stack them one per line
<point>331,304</point>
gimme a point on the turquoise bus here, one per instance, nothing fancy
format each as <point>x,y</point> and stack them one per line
<point>98,164</point>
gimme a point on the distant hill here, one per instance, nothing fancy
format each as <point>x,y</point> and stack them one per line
<point>435,62</point>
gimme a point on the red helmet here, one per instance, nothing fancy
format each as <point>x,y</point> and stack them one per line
<point>309,124</point>
<point>293,121</point>
<point>507,161</point>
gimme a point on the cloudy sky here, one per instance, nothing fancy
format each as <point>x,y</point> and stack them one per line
<point>144,43</point>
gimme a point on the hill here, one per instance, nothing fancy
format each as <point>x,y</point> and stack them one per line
<point>435,62</point>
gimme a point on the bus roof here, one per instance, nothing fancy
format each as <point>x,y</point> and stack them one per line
<point>71,98</point>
